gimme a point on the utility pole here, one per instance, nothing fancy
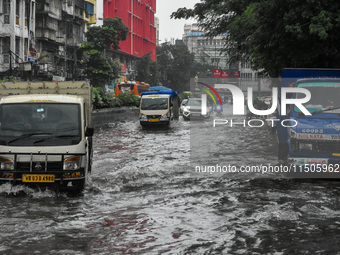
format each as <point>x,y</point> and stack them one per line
<point>65,49</point>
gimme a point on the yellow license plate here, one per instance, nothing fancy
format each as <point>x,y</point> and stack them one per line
<point>38,178</point>
<point>153,120</point>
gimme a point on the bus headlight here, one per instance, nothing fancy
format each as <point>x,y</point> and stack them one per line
<point>72,163</point>
<point>6,164</point>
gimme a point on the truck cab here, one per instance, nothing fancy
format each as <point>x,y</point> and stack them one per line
<point>313,139</point>
<point>158,108</point>
<point>46,139</point>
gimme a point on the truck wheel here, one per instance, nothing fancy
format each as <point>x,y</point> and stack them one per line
<point>79,185</point>
<point>90,156</point>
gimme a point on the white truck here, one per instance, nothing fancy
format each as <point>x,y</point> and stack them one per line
<point>46,133</point>
<point>158,108</point>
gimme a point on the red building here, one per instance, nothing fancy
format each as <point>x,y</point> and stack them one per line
<point>139,16</point>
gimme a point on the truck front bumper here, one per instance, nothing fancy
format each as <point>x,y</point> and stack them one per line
<point>301,167</point>
<point>313,161</point>
<point>42,177</point>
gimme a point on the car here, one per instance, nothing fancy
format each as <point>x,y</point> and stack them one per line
<point>183,103</point>
<point>268,101</point>
<point>193,109</point>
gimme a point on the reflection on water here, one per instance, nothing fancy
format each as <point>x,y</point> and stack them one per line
<point>144,197</point>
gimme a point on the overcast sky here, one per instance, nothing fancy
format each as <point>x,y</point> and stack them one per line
<point>172,28</point>
<point>168,28</point>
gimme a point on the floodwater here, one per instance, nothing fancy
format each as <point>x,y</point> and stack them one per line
<point>145,197</point>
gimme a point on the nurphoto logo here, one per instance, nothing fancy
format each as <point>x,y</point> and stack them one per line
<point>238,101</point>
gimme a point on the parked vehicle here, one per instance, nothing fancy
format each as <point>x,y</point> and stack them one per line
<point>46,133</point>
<point>158,107</point>
<point>193,109</point>
<point>316,138</point>
<point>183,104</point>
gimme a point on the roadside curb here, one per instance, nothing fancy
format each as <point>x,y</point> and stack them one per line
<point>105,115</point>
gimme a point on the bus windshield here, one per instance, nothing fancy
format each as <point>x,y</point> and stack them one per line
<point>40,124</point>
<point>154,103</point>
<point>133,87</point>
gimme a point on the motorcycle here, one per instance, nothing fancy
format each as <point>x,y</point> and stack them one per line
<point>218,110</point>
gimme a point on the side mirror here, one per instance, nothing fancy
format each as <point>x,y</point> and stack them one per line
<point>89,131</point>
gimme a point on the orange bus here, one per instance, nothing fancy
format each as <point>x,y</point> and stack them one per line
<point>133,87</point>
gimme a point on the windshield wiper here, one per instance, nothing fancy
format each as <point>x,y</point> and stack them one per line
<point>325,110</point>
<point>149,107</point>
<point>57,136</point>
<point>24,136</point>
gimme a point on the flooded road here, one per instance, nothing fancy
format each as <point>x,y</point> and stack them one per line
<point>145,197</point>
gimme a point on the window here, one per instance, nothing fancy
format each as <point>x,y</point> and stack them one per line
<point>17,12</point>
<point>69,30</point>
<point>5,49</point>
<point>5,45</point>
<point>25,48</point>
<point>89,9</point>
<point>6,9</point>
<point>17,48</point>
<point>27,9</point>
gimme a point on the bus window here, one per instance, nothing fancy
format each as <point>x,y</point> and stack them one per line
<point>131,87</point>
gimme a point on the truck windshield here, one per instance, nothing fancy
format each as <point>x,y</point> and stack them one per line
<point>324,97</point>
<point>154,103</point>
<point>40,124</point>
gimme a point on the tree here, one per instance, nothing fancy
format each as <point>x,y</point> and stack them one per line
<point>175,66</point>
<point>147,70</point>
<point>101,68</point>
<point>273,34</point>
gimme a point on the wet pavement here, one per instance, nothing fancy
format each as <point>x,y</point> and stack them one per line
<point>145,197</point>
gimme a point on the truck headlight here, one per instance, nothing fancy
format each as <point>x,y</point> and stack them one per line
<point>6,164</point>
<point>143,117</point>
<point>72,163</point>
<point>164,116</point>
<point>306,146</point>
<point>292,133</point>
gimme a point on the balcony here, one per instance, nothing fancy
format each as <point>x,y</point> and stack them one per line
<point>44,33</point>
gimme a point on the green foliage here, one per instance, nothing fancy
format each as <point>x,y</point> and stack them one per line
<point>101,99</point>
<point>101,67</point>
<point>176,66</point>
<point>173,69</point>
<point>273,34</point>
<point>147,70</point>
<point>202,70</point>
<point>106,36</point>
<point>11,79</point>
<point>184,96</point>
<point>128,99</point>
<point>101,70</point>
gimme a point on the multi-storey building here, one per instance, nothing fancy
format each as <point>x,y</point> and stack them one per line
<point>17,26</point>
<point>208,51</point>
<point>139,17</point>
<point>43,36</point>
